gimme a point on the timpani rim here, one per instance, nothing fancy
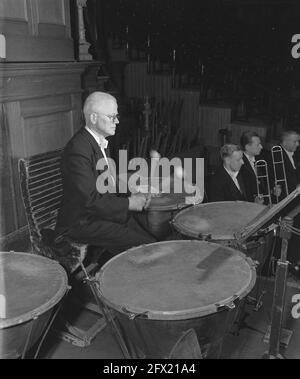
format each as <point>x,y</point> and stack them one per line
<point>184,230</point>
<point>38,311</point>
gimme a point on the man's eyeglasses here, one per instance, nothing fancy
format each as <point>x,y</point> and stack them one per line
<point>112,118</point>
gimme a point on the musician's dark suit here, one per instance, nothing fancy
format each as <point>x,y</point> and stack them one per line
<point>293,179</point>
<point>86,215</point>
<point>292,174</point>
<point>222,187</point>
<point>249,179</point>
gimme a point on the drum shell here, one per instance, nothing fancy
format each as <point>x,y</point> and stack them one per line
<point>154,339</point>
<point>157,222</point>
<point>13,339</point>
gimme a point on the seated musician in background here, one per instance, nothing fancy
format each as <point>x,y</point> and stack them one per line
<point>289,143</point>
<point>251,145</point>
<point>227,183</point>
<point>86,215</point>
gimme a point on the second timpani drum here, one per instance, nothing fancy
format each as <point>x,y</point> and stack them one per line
<point>218,222</point>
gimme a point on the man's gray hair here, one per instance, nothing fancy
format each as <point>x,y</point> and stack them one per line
<point>228,149</point>
<point>94,100</point>
<point>287,133</point>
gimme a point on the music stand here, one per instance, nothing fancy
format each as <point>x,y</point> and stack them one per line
<point>270,216</point>
<point>282,215</point>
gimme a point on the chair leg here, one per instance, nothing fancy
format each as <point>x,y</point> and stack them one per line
<point>107,314</point>
<point>76,335</point>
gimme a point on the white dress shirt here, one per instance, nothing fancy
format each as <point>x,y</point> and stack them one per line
<point>103,143</point>
<point>251,161</point>
<point>290,154</point>
<point>233,175</point>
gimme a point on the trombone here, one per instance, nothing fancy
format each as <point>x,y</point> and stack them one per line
<point>261,168</point>
<point>277,160</point>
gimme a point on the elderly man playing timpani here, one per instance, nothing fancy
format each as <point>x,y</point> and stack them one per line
<point>86,215</point>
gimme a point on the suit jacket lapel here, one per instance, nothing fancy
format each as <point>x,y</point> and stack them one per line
<point>96,150</point>
<point>241,183</point>
<point>232,188</point>
<point>248,166</point>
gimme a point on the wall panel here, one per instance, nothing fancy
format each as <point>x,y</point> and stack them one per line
<point>45,133</point>
<point>40,110</point>
<point>14,9</point>
<point>36,30</point>
<point>7,204</point>
<point>51,12</point>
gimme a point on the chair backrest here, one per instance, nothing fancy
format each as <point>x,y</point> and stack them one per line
<point>41,185</point>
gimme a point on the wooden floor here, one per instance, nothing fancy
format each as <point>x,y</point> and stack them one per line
<point>248,344</point>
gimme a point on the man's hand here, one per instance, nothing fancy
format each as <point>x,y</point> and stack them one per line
<point>196,199</point>
<point>259,199</point>
<point>277,190</point>
<point>138,202</point>
<point>148,201</point>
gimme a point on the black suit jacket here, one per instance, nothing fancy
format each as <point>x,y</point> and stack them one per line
<point>222,187</point>
<point>249,179</point>
<point>81,202</point>
<point>292,175</point>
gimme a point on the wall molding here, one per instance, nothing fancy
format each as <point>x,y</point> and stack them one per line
<point>20,81</point>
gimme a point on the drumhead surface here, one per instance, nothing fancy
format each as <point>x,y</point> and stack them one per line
<point>220,220</point>
<point>29,285</point>
<point>167,201</point>
<point>176,279</point>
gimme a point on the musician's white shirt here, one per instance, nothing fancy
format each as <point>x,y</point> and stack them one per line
<point>290,154</point>
<point>233,175</point>
<point>103,143</point>
<point>251,161</point>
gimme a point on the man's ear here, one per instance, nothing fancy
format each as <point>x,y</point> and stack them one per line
<point>93,118</point>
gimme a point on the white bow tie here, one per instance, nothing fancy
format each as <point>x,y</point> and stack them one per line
<point>103,144</point>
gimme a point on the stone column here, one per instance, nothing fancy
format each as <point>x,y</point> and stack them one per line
<point>83,44</point>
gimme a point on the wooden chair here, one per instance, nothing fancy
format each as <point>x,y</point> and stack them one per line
<point>41,186</point>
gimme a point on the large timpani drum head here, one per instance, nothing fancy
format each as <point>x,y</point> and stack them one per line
<point>219,221</point>
<point>30,286</point>
<point>162,290</point>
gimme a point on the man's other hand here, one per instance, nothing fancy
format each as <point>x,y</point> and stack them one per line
<point>137,202</point>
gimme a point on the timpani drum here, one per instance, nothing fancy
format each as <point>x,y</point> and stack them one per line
<point>218,222</point>
<point>30,286</point>
<point>161,291</point>
<point>163,207</point>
